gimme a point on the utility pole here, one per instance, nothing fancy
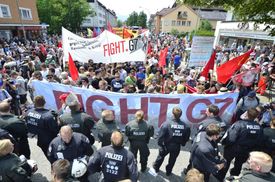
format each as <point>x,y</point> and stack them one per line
<point>21,20</point>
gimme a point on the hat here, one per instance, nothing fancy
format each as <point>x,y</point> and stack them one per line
<point>223,89</point>
<point>251,94</point>
<point>265,63</point>
<point>79,167</point>
<point>63,97</point>
<point>180,88</point>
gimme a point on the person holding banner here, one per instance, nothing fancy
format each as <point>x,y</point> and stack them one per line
<point>172,135</point>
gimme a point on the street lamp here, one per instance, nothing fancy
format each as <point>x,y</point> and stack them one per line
<point>21,21</point>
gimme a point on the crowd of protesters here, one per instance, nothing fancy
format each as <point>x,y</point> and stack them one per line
<point>25,61</point>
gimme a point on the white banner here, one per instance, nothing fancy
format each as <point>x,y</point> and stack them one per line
<point>105,48</point>
<point>201,50</point>
<point>157,107</point>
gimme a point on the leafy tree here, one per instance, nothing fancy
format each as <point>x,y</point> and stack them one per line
<point>205,25</point>
<point>119,23</point>
<point>259,11</point>
<point>142,19</point>
<point>67,13</point>
<point>174,31</point>
<point>132,20</point>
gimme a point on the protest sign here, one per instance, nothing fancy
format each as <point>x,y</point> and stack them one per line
<point>105,48</point>
<point>201,50</point>
<point>156,107</point>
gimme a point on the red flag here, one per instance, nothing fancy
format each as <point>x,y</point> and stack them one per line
<point>162,57</point>
<point>246,78</point>
<point>190,89</point>
<point>226,70</point>
<point>209,65</point>
<point>72,68</point>
<point>149,49</point>
<point>94,32</point>
<point>110,28</point>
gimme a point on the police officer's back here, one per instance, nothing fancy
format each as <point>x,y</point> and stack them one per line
<point>79,121</point>
<point>269,144</point>
<point>172,135</point>
<point>69,145</point>
<point>139,133</point>
<point>105,127</point>
<point>115,162</point>
<point>241,138</point>
<point>42,122</point>
<point>16,128</point>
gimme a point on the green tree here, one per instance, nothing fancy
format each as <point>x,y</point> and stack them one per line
<point>132,20</point>
<point>142,19</point>
<point>259,11</point>
<point>205,25</point>
<point>119,23</point>
<point>174,31</point>
<point>67,13</point>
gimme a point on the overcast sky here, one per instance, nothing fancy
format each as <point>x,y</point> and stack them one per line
<point>124,7</point>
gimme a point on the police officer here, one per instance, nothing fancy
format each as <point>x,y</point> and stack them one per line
<point>241,138</point>
<point>172,135</point>
<point>115,162</point>
<point>69,145</point>
<point>42,122</point>
<point>105,127</point>
<point>139,133</point>
<point>12,168</point>
<point>212,113</point>
<point>205,154</point>
<point>16,128</point>
<point>79,121</point>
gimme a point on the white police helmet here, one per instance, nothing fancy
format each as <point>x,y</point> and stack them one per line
<point>79,167</point>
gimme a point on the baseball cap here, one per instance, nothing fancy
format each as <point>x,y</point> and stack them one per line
<point>251,94</point>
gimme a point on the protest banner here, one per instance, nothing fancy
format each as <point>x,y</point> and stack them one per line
<point>201,51</point>
<point>156,107</point>
<point>105,48</point>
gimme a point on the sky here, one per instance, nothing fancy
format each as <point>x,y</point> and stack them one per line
<point>125,7</point>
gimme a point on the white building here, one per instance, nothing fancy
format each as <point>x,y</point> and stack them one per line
<point>243,33</point>
<point>102,16</point>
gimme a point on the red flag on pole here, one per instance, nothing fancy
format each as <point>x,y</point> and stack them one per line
<point>126,34</point>
<point>72,68</point>
<point>162,57</point>
<point>228,69</point>
<point>246,78</point>
<point>209,65</point>
<point>110,28</point>
<point>149,50</point>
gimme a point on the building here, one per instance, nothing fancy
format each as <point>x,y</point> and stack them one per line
<point>102,16</point>
<point>185,18</point>
<point>242,33</point>
<point>17,17</point>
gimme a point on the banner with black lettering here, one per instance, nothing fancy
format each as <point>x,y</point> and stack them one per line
<point>105,48</point>
<point>157,107</point>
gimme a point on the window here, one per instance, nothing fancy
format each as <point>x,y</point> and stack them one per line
<point>173,23</point>
<point>183,23</point>
<point>5,11</point>
<point>26,14</point>
<point>188,23</point>
<point>178,23</point>
<point>166,23</point>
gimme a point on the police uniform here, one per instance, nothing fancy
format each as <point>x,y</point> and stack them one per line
<point>241,138</point>
<point>139,133</point>
<point>79,146</point>
<point>251,176</point>
<point>43,123</point>
<point>269,144</point>
<point>12,169</point>
<point>212,119</point>
<point>205,156</point>
<point>80,122</point>
<point>104,131</point>
<point>116,163</point>
<point>172,135</point>
<point>18,130</point>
